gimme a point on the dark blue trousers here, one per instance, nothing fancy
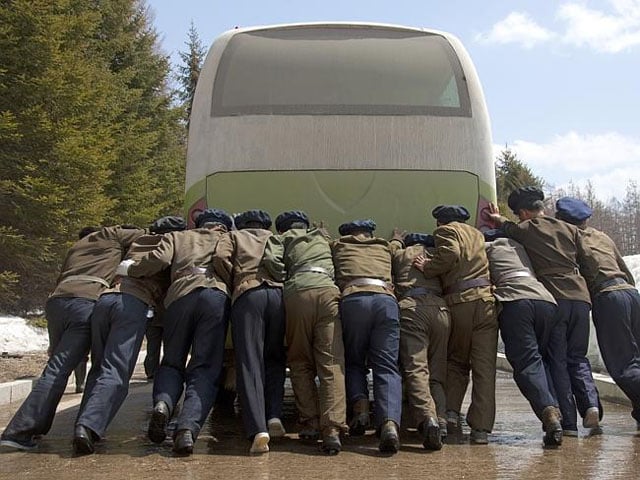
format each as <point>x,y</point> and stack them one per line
<point>118,323</point>
<point>153,335</point>
<point>257,328</point>
<point>570,369</point>
<point>371,334</point>
<point>616,316</point>
<point>525,326</point>
<point>68,317</point>
<point>196,322</point>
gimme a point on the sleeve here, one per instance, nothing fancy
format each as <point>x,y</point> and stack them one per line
<point>273,258</point>
<point>516,231</point>
<point>126,236</point>
<point>586,261</point>
<point>223,259</point>
<point>395,245</point>
<point>623,266</point>
<point>447,252</point>
<point>154,261</point>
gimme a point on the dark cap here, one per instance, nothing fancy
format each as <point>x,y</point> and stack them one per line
<point>252,216</point>
<point>572,210</point>
<point>168,224</point>
<point>525,198</point>
<point>349,227</point>
<point>493,234</point>
<point>214,215</point>
<point>450,213</point>
<point>421,238</point>
<point>286,219</point>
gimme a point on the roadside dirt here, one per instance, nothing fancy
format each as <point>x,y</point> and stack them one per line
<point>26,366</point>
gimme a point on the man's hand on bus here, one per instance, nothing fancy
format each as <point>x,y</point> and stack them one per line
<point>398,234</point>
<point>420,261</point>
<point>494,213</point>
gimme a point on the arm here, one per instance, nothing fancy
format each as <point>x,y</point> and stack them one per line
<point>154,261</point>
<point>623,266</point>
<point>446,255</point>
<point>223,259</point>
<point>273,258</point>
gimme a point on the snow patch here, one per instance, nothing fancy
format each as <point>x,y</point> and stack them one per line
<point>18,337</point>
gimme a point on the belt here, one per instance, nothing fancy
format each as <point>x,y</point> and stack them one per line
<point>417,291</point>
<point>86,278</point>
<point>547,272</point>
<point>189,271</point>
<point>609,283</point>
<point>361,282</point>
<point>313,269</point>
<point>466,285</point>
<point>510,275</point>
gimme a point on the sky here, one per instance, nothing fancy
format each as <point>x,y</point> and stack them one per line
<point>561,78</point>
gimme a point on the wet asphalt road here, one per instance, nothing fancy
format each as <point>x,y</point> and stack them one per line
<point>515,450</point>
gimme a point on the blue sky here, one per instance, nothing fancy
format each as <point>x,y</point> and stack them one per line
<point>561,78</point>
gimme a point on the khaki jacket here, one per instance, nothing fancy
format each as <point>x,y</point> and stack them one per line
<point>96,255</point>
<point>406,276</point>
<point>238,260</point>
<point>558,254</point>
<point>459,256</point>
<point>286,256</point>
<point>507,260</point>
<point>153,289</point>
<point>185,253</point>
<point>358,256</point>
<point>610,263</point>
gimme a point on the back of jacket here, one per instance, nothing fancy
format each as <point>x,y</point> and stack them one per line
<point>558,254</point>
<point>189,253</point>
<point>151,290</point>
<point>406,276</point>
<point>238,260</point>
<point>459,256</point>
<point>359,256</point>
<point>96,255</point>
<point>288,257</point>
<point>508,262</point>
<point>610,263</point>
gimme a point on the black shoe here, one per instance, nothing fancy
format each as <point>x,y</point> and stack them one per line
<point>331,441</point>
<point>432,439</point>
<point>158,424</point>
<point>24,444</point>
<point>183,443</point>
<point>83,439</point>
<point>389,438</point>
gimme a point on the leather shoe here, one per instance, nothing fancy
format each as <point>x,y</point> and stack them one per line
<point>158,424</point>
<point>83,439</point>
<point>183,443</point>
<point>552,426</point>
<point>331,441</point>
<point>389,437</point>
<point>432,440</point>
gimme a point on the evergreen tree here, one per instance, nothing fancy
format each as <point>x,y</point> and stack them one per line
<point>189,71</point>
<point>512,173</point>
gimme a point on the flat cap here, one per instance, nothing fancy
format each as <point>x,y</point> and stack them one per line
<point>286,219</point>
<point>168,224</point>
<point>258,216</point>
<point>421,238</point>
<point>524,198</point>
<point>349,227</point>
<point>572,210</point>
<point>450,213</point>
<point>494,234</point>
<point>214,215</point>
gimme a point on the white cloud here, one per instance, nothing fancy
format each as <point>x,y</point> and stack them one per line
<point>610,30</point>
<point>516,28</point>
<point>608,160</point>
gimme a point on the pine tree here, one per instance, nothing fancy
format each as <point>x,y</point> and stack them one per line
<point>189,71</point>
<point>512,173</point>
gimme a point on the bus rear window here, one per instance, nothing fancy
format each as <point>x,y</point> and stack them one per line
<point>339,71</point>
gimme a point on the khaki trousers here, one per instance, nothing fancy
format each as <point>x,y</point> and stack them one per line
<point>424,333</point>
<point>473,344</point>
<point>314,337</point>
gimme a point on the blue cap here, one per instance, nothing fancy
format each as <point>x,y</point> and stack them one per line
<point>421,238</point>
<point>524,198</point>
<point>250,216</point>
<point>450,213</point>
<point>347,228</point>
<point>168,224</point>
<point>286,219</point>
<point>494,234</point>
<point>572,210</point>
<point>214,215</point>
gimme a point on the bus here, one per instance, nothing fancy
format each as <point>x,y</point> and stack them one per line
<point>343,121</point>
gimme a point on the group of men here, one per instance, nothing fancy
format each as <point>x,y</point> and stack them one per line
<point>418,309</point>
